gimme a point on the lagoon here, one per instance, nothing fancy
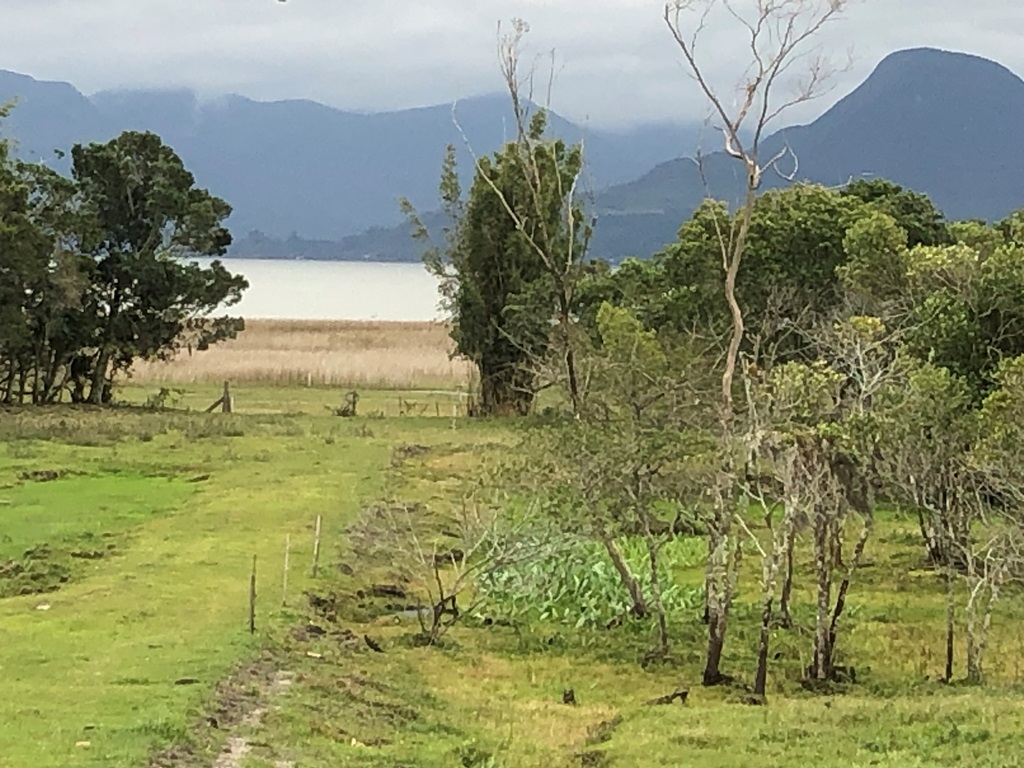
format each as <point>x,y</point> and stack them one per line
<point>335,290</point>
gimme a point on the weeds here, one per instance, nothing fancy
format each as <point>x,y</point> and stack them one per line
<point>376,355</point>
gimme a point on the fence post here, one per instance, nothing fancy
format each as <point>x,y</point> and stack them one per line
<point>287,558</point>
<point>227,401</point>
<point>252,598</point>
<point>316,545</point>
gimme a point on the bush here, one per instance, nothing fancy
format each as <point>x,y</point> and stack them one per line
<point>578,586</point>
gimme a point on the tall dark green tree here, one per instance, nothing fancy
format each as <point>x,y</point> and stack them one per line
<point>146,218</point>
<point>919,217</point>
<point>24,252</point>
<point>510,264</point>
<point>97,270</point>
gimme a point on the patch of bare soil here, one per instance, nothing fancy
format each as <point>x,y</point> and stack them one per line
<point>238,703</point>
<point>42,475</point>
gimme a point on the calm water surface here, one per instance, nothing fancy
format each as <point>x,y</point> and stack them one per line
<point>335,290</point>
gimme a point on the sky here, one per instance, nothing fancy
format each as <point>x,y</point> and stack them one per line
<point>616,65</point>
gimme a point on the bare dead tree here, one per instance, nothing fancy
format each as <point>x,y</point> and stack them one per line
<point>926,432</point>
<point>774,492</point>
<point>989,565</point>
<point>778,32</point>
<point>993,551</point>
<point>440,570</point>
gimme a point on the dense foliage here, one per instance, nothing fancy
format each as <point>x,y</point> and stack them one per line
<point>512,257</point>
<point>880,365</point>
<point>95,270</point>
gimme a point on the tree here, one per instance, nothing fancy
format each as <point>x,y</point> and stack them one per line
<point>811,427</point>
<point>24,252</point>
<point>776,31</point>
<point>957,304</point>
<point>993,553</point>
<point>914,212</point>
<point>513,254</point>
<point>99,271</point>
<point>633,461</point>
<point>442,571</point>
<point>146,215</point>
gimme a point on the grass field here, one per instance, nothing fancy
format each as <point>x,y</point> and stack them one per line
<point>380,355</point>
<point>146,523</point>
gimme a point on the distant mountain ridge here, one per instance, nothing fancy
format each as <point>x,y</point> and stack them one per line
<point>942,123</point>
<point>318,182</point>
<point>300,168</point>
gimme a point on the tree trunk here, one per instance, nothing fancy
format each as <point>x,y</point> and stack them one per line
<point>986,625</point>
<point>709,580</point>
<point>822,668</point>
<point>844,586</point>
<point>99,377</point>
<point>781,548</point>
<point>950,621</point>
<point>718,602</point>
<point>761,675</point>
<point>574,385</point>
<point>785,619</point>
<point>502,393</point>
<point>565,321</point>
<point>977,637</point>
<point>636,594</point>
<point>652,557</point>
<point>8,388</point>
<point>23,383</point>
<point>933,549</point>
<point>52,366</point>
<point>716,645</point>
<point>973,660</point>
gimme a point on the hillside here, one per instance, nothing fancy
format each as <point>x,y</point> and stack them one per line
<point>310,181</point>
<point>303,168</point>
<point>942,123</point>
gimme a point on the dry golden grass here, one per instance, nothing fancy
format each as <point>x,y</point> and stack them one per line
<point>387,355</point>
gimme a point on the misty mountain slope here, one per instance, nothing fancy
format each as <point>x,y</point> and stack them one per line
<point>324,183</point>
<point>297,166</point>
<point>946,124</point>
<point>47,116</point>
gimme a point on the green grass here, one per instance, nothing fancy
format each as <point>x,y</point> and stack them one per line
<point>493,698</point>
<point>178,502</point>
<point>101,664</point>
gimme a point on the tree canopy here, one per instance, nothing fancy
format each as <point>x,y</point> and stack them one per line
<point>512,257</point>
<point>99,269</point>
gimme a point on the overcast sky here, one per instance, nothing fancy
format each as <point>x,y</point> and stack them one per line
<point>617,64</point>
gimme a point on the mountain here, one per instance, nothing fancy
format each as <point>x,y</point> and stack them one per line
<point>302,170</point>
<point>310,181</point>
<point>943,123</point>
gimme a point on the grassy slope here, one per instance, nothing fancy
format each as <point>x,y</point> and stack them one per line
<point>100,664</point>
<point>169,602</point>
<point>494,699</point>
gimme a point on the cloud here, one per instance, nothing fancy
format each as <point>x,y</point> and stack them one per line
<point>617,64</point>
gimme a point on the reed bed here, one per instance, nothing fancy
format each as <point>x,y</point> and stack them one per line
<point>372,354</point>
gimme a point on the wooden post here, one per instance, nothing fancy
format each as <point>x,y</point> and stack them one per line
<point>227,402</point>
<point>287,558</point>
<point>316,545</point>
<point>437,410</point>
<point>252,598</point>
<point>455,413</point>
